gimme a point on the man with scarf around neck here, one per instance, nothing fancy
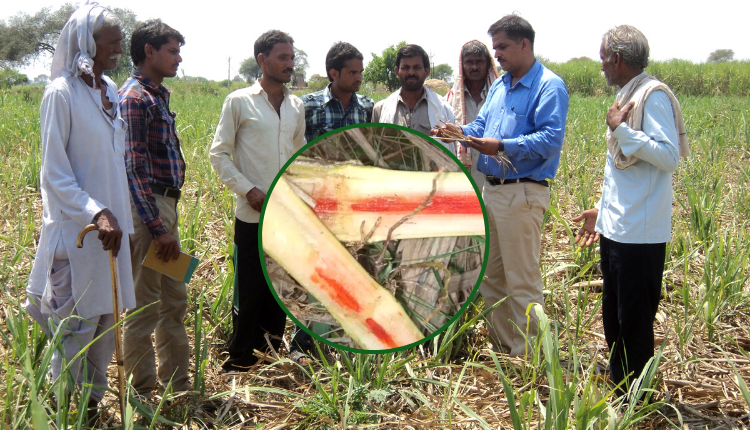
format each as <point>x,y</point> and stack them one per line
<point>82,181</point>
<point>156,172</point>
<point>524,120</point>
<point>413,105</point>
<point>645,139</point>
<point>259,129</point>
<point>476,73</point>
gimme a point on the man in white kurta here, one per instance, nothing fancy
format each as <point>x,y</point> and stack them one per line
<point>82,182</point>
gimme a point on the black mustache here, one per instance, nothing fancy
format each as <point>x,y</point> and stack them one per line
<point>289,70</point>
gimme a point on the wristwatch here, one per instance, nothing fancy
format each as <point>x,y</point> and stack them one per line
<point>500,149</point>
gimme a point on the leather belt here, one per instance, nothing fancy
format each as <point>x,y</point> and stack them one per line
<point>492,180</point>
<point>166,192</point>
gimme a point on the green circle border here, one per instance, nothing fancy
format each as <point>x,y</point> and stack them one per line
<point>463,308</point>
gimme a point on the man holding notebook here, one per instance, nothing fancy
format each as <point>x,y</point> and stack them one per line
<point>156,172</point>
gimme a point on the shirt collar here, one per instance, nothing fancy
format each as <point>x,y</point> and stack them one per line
<point>424,96</point>
<point>328,96</point>
<point>148,83</point>
<point>484,90</point>
<point>528,78</point>
<point>257,89</point>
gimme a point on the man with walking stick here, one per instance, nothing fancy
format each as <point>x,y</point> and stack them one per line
<point>82,182</point>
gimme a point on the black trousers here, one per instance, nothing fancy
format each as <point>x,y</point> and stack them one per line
<point>632,290</point>
<point>257,311</point>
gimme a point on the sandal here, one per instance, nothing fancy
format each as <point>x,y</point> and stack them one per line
<point>300,357</point>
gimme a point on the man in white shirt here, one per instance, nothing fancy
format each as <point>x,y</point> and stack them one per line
<point>82,181</point>
<point>645,140</point>
<point>260,128</point>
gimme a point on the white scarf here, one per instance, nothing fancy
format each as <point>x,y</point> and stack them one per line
<point>76,47</point>
<point>638,90</point>
<point>437,110</point>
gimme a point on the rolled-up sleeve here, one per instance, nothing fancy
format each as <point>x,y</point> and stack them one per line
<point>135,114</point>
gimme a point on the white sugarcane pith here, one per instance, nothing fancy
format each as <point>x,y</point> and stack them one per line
<point>347,195</point>
<point>295,237</point>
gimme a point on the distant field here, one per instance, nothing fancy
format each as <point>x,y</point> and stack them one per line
<point>456,383</point>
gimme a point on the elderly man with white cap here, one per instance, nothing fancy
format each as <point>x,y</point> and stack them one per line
<point>83,181</point>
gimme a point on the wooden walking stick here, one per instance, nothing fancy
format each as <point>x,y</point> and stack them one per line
<point>116,312</point>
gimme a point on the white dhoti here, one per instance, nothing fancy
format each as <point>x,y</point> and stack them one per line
<point>56,313</point>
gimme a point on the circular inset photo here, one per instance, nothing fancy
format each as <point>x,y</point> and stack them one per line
<point>373,238</point>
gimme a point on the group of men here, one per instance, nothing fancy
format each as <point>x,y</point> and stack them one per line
<point>116,161</point>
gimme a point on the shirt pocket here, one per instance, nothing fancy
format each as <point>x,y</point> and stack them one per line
<point>512,126</point>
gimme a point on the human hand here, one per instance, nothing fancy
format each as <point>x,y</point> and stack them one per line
<point>255,197</point>
<point>485,145</point>
<point>440,132</point>
<point>109,231</point>
<point>616,116</point>
<point>167,247</point>
<point>587,231</point>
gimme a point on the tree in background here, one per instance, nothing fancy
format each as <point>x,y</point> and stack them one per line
<point>10,77</point>
<point>237,78</point>
<point>721,55</point>
<point>381,69</point>
<point>300,67</point>
<point>444,72</point>
<point>250,70</point>
<point>24,37</point>
<point>317,82</point>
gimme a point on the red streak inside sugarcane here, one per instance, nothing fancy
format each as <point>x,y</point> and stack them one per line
<point>439,205</point>
<point>380,333</point>
<point>335,290</point>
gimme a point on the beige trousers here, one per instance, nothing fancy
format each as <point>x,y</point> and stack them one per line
<point>514,213</point>
<point>165,319</point>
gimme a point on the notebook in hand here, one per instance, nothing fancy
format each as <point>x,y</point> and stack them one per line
<point>181,269</point>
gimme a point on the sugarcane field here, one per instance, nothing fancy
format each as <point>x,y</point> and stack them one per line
<point>371,295</point>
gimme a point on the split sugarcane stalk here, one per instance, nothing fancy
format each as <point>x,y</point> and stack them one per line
<point>299,242</point>
<point>361,203</point>
<point>116,313</point>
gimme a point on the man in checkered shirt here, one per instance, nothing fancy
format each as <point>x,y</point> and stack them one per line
<point>338,105</point>
<point>156,172</point>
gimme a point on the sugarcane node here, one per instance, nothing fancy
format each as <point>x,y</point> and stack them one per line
<point>82,234</point>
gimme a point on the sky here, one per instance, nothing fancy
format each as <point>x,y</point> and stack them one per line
<point>218,30</point>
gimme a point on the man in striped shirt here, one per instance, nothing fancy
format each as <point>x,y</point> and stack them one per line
<point>156,172</point>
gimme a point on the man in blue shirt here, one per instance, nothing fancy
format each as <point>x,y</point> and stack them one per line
<point>519,132</point>
<point>645,140</point>
<point>338,105</point>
